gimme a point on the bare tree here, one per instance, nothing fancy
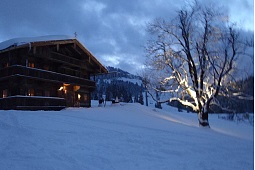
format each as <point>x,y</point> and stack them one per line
<point>196,50</point>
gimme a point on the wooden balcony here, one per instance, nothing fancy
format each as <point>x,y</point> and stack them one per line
<point>45,75</point>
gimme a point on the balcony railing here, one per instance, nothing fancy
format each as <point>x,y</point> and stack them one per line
<point>32,103</point>
<point>45,75</point>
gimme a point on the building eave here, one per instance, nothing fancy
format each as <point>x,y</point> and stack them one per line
<point>30,42</point>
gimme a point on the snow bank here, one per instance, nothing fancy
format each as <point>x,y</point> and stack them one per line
<point>122,136</point>
<point>26,40</point>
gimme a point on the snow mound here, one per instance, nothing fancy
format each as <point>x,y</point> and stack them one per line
<point>124,136</point>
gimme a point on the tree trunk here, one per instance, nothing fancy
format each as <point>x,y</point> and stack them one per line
<point>203,118</point>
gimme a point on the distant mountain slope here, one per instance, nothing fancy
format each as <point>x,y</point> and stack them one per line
<point>121,73</point>
<point>118,83</point>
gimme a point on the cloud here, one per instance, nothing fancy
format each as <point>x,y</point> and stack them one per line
<point>239,11</point>
<point>114,31</point>
<point>242,13</point>
<point>94,7</point>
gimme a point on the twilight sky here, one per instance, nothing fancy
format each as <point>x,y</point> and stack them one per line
<point>113,30</point>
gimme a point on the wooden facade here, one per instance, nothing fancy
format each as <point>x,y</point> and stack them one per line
<point>47,75</point>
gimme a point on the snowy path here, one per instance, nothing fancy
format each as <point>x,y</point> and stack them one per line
<point>128,136</point>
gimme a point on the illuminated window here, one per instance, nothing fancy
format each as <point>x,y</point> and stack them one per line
<point>5,93</point>
<point>31,92</point>
<point>31,64</point>
<point>61,88</point>
<point>79,97</point>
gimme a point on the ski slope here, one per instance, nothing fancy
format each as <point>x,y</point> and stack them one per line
<point>121,136</point>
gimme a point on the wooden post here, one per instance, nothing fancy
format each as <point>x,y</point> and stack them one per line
<point>57,47</point>
<point>34,50</point>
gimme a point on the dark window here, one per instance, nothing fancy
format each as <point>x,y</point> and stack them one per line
<point>6,65</point>
<point>47,93</point>
<point>46,67</point>
<point>86,98</point>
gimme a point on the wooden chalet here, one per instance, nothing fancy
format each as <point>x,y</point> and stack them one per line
<point>46,73</point>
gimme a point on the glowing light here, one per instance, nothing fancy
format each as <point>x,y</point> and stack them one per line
<point>76,88</point>
<point>79,96</point>
<point>61,88</point>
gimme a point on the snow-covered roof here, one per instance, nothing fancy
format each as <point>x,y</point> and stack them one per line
<point>26,40</point>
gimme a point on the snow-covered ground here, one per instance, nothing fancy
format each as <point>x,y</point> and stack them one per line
<point>122,136</point>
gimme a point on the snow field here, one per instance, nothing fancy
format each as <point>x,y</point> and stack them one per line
<point>121,136</point>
